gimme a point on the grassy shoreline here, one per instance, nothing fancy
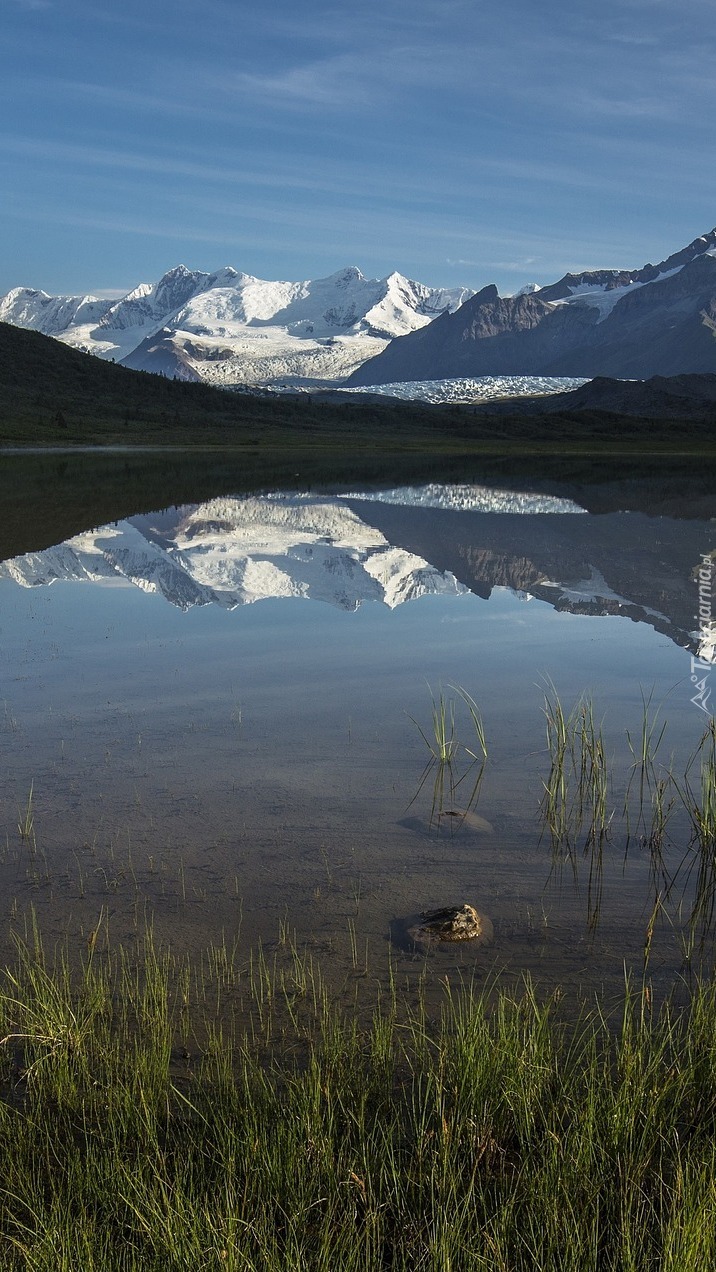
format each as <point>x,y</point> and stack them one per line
<point>348,432</point>
<point>494,1135</point>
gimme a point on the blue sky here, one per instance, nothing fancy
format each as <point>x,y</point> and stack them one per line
<point>458,141</point>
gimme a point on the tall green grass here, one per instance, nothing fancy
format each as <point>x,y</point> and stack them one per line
<point>143,1127</point>
<point>447,766</point>
<point>576,810</point>
<point>26,820</point>
<point>575,804</point>
<point>670,814</point>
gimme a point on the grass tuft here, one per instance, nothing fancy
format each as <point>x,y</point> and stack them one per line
<point>446,749</point>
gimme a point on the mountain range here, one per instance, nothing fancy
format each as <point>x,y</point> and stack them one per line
<point>628,324</point>
<point>229,328</point>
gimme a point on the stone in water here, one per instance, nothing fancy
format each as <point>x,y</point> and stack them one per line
<point>453,923</point>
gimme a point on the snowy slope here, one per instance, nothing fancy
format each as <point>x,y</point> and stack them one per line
<point>603,289</point>
<point>249,331</point>
<point>141,313</point>
<point>51,315</point>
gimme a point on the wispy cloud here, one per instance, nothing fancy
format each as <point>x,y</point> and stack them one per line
<point>129,225</point>
<point>353,80</point>
<point>516,267</point>
<point>131,99</point>
<point>368,26</point>
<point>332,82</point>
<point>332,176</point>
<point>148,162</point>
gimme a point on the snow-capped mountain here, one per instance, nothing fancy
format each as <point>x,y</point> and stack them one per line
<point>231,328</point>
<point>153,303</point>
<point>631,324</point>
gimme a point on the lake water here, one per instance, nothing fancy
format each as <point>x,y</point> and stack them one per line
<point>217,708</point>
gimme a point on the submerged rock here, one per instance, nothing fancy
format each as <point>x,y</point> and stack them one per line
<point>465,817</point>
<point>452,923</point>
<point>453,820</point>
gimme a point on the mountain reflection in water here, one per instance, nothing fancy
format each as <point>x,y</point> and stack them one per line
<point>392,547</point>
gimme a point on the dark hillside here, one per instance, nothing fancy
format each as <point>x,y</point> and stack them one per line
<point>51,395</point>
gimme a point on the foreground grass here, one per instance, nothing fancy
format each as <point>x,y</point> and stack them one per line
<point>162,1116</point>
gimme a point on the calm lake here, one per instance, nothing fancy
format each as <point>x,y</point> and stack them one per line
<point>216,713</point>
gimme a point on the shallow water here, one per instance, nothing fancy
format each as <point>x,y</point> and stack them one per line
<point>218,708</point>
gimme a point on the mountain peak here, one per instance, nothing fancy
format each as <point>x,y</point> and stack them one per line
<point>487,295</point>
<point>177,271</point>
<point>229,273</point>
<point>351,274</point>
